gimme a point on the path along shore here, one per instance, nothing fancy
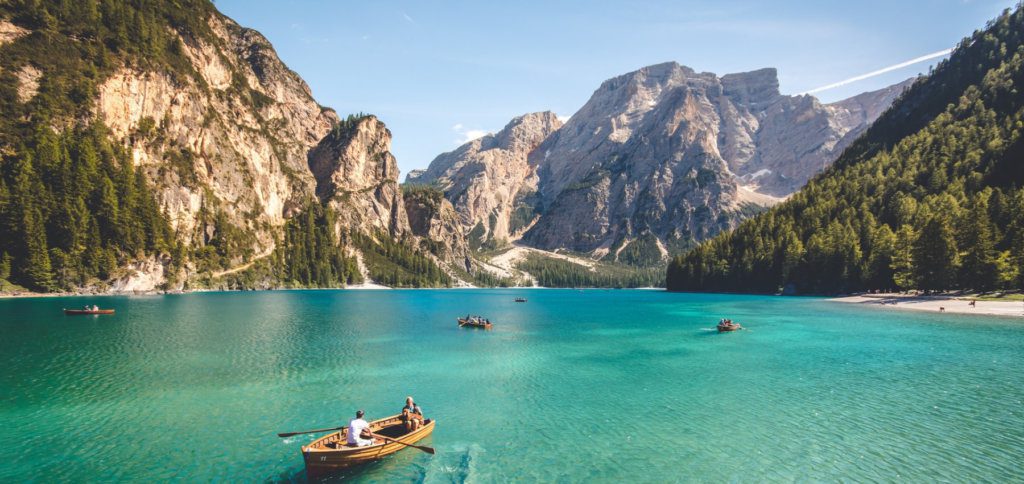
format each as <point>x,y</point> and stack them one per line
<point>959,304</point>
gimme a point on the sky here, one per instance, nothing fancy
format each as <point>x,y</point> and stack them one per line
<point>439,73</point>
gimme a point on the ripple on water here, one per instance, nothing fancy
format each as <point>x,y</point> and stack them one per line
<point>602,385</point>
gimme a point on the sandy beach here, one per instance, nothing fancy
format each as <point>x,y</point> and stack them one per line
<point>935,303</point>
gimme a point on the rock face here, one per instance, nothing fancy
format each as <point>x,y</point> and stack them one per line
<point>489,180</point>
<point>243,140</point>
<point>433,218</point>
<point>661,157</point>
<point>357,175</point>
<point>234,141</point>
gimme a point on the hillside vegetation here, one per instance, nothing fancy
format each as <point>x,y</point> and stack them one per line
<point>930,197</point>
<point>72,208</point>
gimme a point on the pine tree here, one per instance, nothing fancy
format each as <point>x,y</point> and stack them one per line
<point>935,255</point>
<point>979,268</point>
<point>903,268</point>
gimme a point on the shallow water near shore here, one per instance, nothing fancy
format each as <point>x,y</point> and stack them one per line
<point>607,385</point>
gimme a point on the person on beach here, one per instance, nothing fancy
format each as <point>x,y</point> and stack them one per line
<point>412,415</point>
<point>359,433</point>
<point>973,303</point>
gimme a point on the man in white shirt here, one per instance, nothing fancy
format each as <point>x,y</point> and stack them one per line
<point>359,431</point>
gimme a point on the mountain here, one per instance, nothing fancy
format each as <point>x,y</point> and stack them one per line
<point>489,181</point>
<point>161,145</point>
<point>657,159</point>
<point>929,197</point>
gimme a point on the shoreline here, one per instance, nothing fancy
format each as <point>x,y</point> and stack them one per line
<point>940,303</point>
<point>357,287</point>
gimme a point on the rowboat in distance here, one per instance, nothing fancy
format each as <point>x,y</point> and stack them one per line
<point>520,299</point>
<point>332,453</point>
<point>727,325</point>
<point>77,312</point>
<point>475,322</point>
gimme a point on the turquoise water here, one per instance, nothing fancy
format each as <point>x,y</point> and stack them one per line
<point>571,386</point>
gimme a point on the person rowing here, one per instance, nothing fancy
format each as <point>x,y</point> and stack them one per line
<point>359,433</point>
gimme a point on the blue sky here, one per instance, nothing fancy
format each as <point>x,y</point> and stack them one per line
<point>438,72</point>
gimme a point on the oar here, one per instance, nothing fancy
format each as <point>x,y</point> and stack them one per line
<point>289,434</point>
<point>429,450</point>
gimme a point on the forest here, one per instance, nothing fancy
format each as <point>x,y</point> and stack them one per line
<point>929,198</point>
<point>551,272</point>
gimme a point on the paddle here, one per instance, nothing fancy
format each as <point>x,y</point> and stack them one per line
<point>289,434</point>
<point>429,450</point>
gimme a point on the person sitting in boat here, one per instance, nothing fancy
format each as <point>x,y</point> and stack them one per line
<point>359,433</point>
<point>95,307</point>
<point>412,415</point>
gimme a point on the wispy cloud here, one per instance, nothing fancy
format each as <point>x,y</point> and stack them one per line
<point>467,135</point>
<point>933,55</point>
<point>408,18</point>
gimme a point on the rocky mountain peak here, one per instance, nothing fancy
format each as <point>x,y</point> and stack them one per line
<point>525,132</point>
<point>356,172</point>
<point>752,88</point>
<point>489,180</point>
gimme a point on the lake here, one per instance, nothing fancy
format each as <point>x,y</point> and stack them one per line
<point>594,385</point>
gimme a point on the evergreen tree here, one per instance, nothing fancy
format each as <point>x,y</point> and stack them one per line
<point>935,256</point>
<point>979,269</point>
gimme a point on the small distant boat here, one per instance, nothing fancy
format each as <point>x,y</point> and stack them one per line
<point>727,325</point>
<point>475,322</point>
<point>331,452</point>
<point>76,312</point>
<point>520,299</point>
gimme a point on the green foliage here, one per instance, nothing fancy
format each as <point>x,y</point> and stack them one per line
<point>72,208</point>
<point>397,264</point>
<point>930,197</point>
<point>428,195</point>
<point>311,254</point>
<point>552,272</point>
<point>527,207</point>
<point>642,252</point>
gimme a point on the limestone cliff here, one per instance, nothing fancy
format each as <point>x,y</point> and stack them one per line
<point>434,220</point>
<point>357,175</point>
<point>489,181</point>
<point>232,139</point>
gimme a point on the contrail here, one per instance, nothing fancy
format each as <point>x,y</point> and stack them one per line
<point>879,72</point>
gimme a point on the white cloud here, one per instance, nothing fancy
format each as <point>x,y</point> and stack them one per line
<point>408,18</point>
<point>563,119</point>
<point>941,53</point>
<point>467,135</point>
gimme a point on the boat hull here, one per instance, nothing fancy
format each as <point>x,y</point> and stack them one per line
<point>321,459</point>
<point>79,312</point>
<point>463,323</point>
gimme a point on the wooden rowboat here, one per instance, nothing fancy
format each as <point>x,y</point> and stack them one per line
<point>474,323</point>
<point>726,326</point>
<point>332,453</point>
<point>75,312</point>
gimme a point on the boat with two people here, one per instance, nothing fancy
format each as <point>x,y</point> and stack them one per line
<point>361,442</point>
<point>520,299</point>
<point>87,310</point>
<point>727,325</point>
<point>475,322</point>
